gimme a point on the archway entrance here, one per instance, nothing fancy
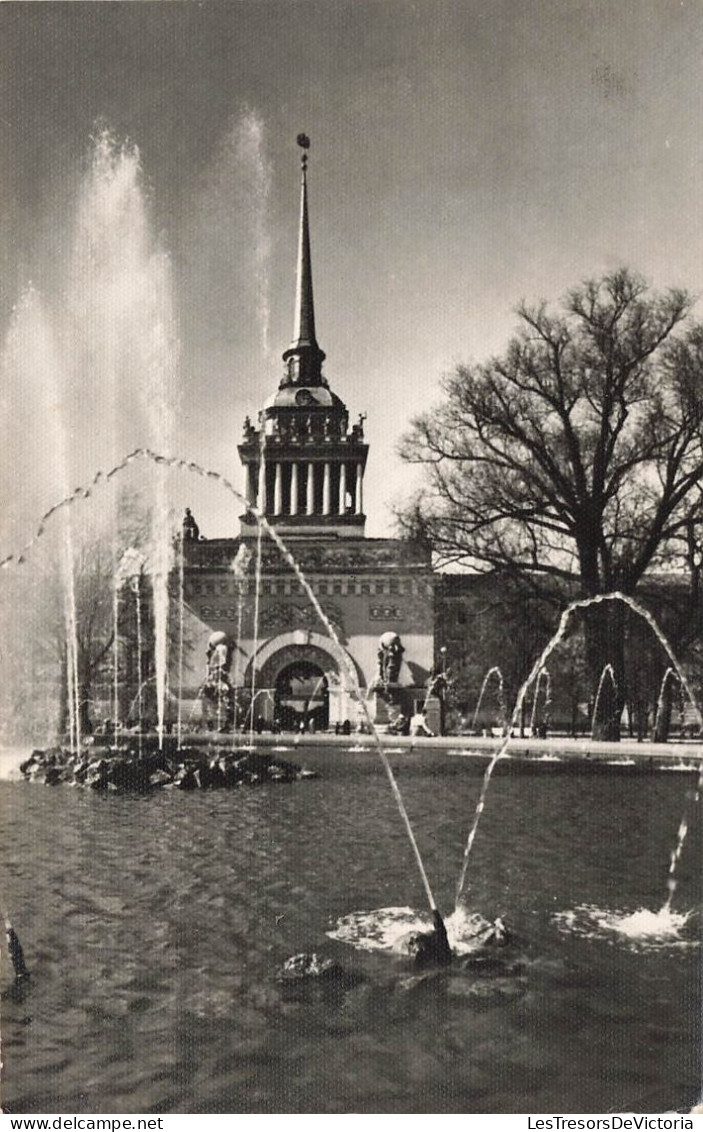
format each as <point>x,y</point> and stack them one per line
<point>301,696</point>
<point>280,657</point>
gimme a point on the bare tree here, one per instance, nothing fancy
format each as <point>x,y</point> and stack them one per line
<point>58,621</point>
<point>575,456</point>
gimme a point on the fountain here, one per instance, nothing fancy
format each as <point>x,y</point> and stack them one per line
<point>257,585</point>
<point>607,671</point>
<point>538,668</point>
<point>162,461</point>
<point>665,915</point>
<point>542,674</point>
<point>110,341</point>
<point>266,692</point>
<point>494,671</point>
<point>181,634</point>
<point>120,335</point>
<point>663,919</point>
<point>237,183</point>
<point>660,727</point>
<point>239,568</point>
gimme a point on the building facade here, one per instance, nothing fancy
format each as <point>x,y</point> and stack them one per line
<point>340,624</point>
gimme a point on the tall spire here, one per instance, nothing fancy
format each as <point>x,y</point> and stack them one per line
<point>304,357</point>
<point>304,329</point>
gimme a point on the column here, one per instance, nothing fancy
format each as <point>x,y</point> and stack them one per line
<point>326,491</point>
<point>359,498</point>
<point>261,495</point>
<point>294,489</point>
<point>251,485</point>
<point>311,490</point>
<point>342,488</point>
<point>278,490</point>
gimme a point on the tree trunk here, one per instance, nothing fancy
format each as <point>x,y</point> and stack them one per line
<point>85,697</point>
<point>641,719</point>
<point>604,629</point>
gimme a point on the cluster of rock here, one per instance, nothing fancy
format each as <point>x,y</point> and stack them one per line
<point>486,976</point>
<point>309,965</point>
<point>183,769</point>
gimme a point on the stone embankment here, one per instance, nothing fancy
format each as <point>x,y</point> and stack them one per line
<point>184,769</point>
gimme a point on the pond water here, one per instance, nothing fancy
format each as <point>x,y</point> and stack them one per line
<point>154,925</point>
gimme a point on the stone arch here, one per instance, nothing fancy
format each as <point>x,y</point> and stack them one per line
<point>303,645</point>
<point>275,653</point>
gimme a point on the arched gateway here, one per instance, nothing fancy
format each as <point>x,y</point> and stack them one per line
<point>301,697</point>
<point>307,676</point>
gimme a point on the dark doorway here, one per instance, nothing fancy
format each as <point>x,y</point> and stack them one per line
<point>302,697</point>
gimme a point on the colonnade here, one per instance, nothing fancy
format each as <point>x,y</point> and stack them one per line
<point>307,487</point>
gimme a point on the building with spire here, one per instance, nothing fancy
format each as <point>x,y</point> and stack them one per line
<point>304,471</point>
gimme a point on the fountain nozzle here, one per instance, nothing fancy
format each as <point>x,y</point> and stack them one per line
<point>16,953</point>
<point>441,951</point>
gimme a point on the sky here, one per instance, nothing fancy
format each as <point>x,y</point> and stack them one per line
<point>466,155</point>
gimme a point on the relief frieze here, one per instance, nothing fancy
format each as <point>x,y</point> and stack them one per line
<point>283,616</point>
<point>386,613</point>
<point>346,559</point>
<point>219,612</point>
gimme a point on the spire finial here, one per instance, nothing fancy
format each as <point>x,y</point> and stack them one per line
<point>304,142</point>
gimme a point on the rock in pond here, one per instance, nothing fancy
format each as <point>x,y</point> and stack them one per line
<point>134,765</point>
<point>309,965</point>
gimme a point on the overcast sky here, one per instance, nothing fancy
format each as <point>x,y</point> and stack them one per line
<point>465,155</point>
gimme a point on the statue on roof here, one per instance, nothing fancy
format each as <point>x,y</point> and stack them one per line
<point>191,530</point>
